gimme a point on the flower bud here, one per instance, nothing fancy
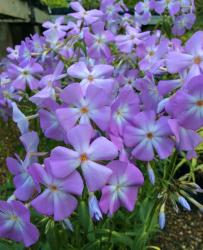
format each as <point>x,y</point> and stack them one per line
<point>68,224</point>
<point>162,217</point>
<point>151,174</point>
<point>94,209</point>
<point>184,203</point>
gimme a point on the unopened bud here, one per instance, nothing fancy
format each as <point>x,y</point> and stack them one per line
<point>68,224</point>
<point>162,217</point>
<point>184,203</point>
<point>151,174</point>
<point>94,209</point>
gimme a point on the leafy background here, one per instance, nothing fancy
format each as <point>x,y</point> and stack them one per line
<point>87,3</point>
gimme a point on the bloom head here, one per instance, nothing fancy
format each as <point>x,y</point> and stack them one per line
<point>122,187</point>
<point>15,223</point>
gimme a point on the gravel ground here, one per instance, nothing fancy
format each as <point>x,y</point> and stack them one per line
<point>183,231</point>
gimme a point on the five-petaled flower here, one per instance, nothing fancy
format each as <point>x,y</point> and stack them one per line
<point>122,187</point>
<point>89,155</point>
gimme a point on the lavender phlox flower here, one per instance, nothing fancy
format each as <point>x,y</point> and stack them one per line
<point>122,187</point>
<point>49,122</point>
<point>57,27</point>
<point>13,54</point>
<point>128,78</point>
<point>186,139</point>
<point>133,37</point>
<point>97,42</point>
<point>149,94</point>
<point>30,142</point>
<point>15,223</point>
<point>147,134</point>
<point>187,104</point>
<point>19,118</point>
<point>25,74</point>
<point>123,109</point>
<point>99,75</point>
<point>23,181</point>
<point>92,107</point>
<point>152,53</point>
<point>182,23</point>
<point>173,6</point>
<point>25,51</point>
<point>38,44</point>
<point>143,11</point>
<point>85,154</point>
<point>57,199</point>
<point>111,9</point>
<point>88,17</point>
<point>191,59</point>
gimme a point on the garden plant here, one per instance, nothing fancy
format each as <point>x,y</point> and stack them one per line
<point>110,109</point>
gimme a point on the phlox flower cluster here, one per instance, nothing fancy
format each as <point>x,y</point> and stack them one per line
<point>181,13</point>
<point>97,81</point>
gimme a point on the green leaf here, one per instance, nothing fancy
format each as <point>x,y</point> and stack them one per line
<point>5,246</point>
<point>83,215</point>
<point>53,239</point>
<point>81,45</point>
<point>11,246</point>
<point>86,221</point>
<point>166,26</point>
<point>121,238</point>
<point>96,244</point>
<point>200,146</point>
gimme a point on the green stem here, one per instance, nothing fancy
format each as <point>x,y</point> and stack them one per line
<point>149,221</point>
<point>173,168</point>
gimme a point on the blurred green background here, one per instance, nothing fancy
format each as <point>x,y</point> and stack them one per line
<point>87,3</point>
<point>90,3</point>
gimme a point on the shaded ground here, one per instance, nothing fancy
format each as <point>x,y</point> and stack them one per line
<point>8,143</point>
<point>183,231</point>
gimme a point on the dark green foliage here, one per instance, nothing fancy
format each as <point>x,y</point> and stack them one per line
<point>88,4</point>
<point>199,14</point>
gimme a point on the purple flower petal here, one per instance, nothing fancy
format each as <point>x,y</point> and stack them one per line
<point>102,149</point>
<point>80,137</point>
<point>96,175</point>
<point>63,161</point>
<point>78,70</point>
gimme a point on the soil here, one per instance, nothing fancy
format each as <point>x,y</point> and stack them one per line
<point>9,140</point>
<point>183,231</point>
